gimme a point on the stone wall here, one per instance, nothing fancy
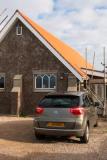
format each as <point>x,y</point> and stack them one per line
<point>5,103</point>
<point>8,103</point>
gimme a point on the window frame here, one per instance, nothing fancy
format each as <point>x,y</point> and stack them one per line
<point>48,74</point>
<point>2,75</point>
<point>17,30</point>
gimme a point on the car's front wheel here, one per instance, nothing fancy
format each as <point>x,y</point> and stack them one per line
<point>85,137</point>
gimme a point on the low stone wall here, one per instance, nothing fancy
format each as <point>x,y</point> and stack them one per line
<point>5,103</point>
<point>8,103</point>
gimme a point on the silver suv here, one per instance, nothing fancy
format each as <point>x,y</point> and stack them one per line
<point>68,114</point>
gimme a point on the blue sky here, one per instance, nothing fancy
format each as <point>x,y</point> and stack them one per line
<point>80,23</point>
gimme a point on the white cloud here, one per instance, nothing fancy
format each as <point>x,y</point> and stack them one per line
<point>80,23</point>
<point>80,4</point>
<point>31,7</point>
<point>28,5</point>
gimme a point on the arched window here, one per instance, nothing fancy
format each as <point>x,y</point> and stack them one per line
<point>52,81</point>
<point>45,81</point>
<point>38,82</point>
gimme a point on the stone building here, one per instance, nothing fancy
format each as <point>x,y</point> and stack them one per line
<point>33,63</point>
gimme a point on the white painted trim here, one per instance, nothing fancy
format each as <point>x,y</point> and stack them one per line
<point>7,28</point>
<point>16,16</point>
<point>94,73</point>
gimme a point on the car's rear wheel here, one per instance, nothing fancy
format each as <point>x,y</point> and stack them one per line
<point>85,137</point>
<point>96,124</point>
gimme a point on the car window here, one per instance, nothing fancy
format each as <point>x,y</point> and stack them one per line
<point>60,101</point>
<point>86,101</point>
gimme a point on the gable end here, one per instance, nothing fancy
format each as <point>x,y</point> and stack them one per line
<point>11,22</point>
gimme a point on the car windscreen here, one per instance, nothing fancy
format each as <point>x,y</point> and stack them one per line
<point>60,101</point>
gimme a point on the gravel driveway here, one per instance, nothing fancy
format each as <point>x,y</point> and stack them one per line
<point>17,141</point>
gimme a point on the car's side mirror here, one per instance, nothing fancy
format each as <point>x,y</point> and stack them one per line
<point>96,104</point>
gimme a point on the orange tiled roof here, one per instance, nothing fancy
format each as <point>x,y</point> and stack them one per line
<point>69,54</point>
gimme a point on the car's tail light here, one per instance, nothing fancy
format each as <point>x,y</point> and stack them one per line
<point>77,111</point>
<point>39,110</point>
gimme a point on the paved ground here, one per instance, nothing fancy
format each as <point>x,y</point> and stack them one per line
<point>17,141</point>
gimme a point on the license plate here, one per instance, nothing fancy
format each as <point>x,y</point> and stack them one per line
<point>55,124</point>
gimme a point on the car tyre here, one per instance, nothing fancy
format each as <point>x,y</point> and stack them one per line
<point>96,124</point>
<point>85,137</point>
<point>39,136</point>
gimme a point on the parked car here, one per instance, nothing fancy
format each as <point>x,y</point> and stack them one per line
<point>68,114</point>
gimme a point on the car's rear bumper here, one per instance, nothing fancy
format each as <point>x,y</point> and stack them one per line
<point>59,132</point>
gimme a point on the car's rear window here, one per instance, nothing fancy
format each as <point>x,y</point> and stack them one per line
<point>60,101</point>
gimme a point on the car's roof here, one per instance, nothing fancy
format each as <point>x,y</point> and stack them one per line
<point>75,93</point>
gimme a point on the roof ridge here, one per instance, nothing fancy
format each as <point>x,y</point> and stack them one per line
<point>66,51</point>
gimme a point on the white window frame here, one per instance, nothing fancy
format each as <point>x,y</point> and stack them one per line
<point>42,89</point>
<point>18,30</point>
<point>2,75</point>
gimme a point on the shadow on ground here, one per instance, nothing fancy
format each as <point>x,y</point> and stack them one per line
<point>22,131</point>
<point>93,155</point>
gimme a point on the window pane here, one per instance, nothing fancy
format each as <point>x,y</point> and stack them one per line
<point>39,82</point>
<point>52,82</point>
<point>1,82</point>
<point>45,82</point>
<point>60,101</point>
<point>18,30</point>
